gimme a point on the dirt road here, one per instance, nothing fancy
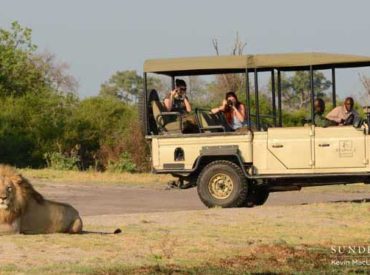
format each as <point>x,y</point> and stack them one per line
<point>113,199</point>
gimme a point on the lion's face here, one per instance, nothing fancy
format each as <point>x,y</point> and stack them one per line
<point>7,193</point>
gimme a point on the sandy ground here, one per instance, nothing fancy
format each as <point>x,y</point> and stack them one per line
<point>112,199</point>
<point>165,227</point>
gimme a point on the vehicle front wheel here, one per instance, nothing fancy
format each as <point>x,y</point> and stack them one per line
<point>222,183</point>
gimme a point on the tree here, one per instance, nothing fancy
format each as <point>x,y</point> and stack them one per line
<point>197,91</point>
<point>229,82</point>
<point>126,85</point>
<point>18,71</point>
<point>296,90</point>
<point>22,70</point>
<point>56,73</point>
<point>34,107</point>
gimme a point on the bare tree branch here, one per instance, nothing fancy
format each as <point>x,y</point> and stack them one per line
<point>215,45</point>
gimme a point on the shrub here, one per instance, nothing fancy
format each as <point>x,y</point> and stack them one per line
<point>123,164</point>
<point>58,161</point>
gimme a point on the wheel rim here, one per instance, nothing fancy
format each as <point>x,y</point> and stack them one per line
<point>221,186</point>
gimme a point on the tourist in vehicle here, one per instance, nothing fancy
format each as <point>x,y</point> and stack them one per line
<point>234,111</point>
<point>345,114</point>
<point>176,100</point>
<point>319,119</point>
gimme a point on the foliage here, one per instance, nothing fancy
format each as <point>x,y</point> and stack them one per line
<point>127,85</point>
<point>296,89</point>
<point>123,164</point>
<point>132,142</point>
<point>56,73</point>
<point>58,161</point>
<point>97,122</point>
<point>295,118</point>
<point>32,125</point>
<point>42,122</point>
<point>18,73</point>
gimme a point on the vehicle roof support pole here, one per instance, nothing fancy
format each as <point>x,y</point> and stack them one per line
<point>273,96</point>
<point>248,97</point>
<point>279,99</point>
<point>172,82</point>
<point>312,95</point>
<point>145,104</point>
<point>256,100</point>
<point>333,85</point>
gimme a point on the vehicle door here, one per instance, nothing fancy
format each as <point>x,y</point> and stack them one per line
<point>340,147</point>
<point>292,146</point>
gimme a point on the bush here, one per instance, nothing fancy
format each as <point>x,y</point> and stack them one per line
<point>39,117</point>
<point>123,164</point>
<point>130,141</point>
<point>58,161</point>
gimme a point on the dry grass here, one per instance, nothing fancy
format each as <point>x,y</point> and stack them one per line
<point>51,175</point>
<point>285,239</point>
<point>282,239</point>
<point>349,188</point>
<point>148,179</point>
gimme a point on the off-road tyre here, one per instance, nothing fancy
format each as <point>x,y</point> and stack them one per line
<point>214,175</point>
<point>256,196</point>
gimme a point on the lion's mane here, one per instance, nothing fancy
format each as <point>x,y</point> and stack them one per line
<point>29,213</point>
<point>23,191</point>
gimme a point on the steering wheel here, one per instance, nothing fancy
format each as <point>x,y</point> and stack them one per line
<point>349,120</point>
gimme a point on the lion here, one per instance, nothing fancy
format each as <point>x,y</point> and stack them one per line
<point>24,210</point>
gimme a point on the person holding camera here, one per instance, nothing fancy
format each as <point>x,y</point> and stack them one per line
<point>176,100</point>
<point>234,111</point>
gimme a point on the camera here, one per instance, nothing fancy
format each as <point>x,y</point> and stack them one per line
<point>179,95</point>
<point>230,103</point>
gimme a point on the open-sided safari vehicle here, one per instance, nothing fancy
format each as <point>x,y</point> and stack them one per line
<point>233,169</point>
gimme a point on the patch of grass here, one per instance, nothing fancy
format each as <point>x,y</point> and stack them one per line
<point>265,259</point>
<point>94,177</point>
<point>220,241</point>
<point>348,188</point>
<point>148,179</point>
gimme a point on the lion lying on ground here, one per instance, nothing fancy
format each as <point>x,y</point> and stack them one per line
<point>24,210</point>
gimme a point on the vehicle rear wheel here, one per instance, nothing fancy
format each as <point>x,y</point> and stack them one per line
<point>222,183</point>
<point>256,196</point>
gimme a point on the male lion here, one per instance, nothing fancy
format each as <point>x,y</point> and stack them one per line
<point>24,210</point>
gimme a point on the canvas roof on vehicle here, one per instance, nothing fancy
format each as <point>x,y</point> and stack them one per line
<point>261,62</point>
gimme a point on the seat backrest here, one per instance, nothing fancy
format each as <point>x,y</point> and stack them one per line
<point>152,112</point>
<point>157,111</point>
<point>164,123</point>
<point>209,122</point>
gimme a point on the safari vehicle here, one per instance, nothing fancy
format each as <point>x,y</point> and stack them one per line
<point>234,169</point>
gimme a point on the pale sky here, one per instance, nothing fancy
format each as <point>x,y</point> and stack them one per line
<point>97,38</point>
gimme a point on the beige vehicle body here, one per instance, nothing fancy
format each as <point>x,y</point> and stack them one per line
<point>266,160</point>
<point>277,151</point>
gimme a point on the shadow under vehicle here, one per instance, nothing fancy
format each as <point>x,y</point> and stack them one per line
<point>234,169</point>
